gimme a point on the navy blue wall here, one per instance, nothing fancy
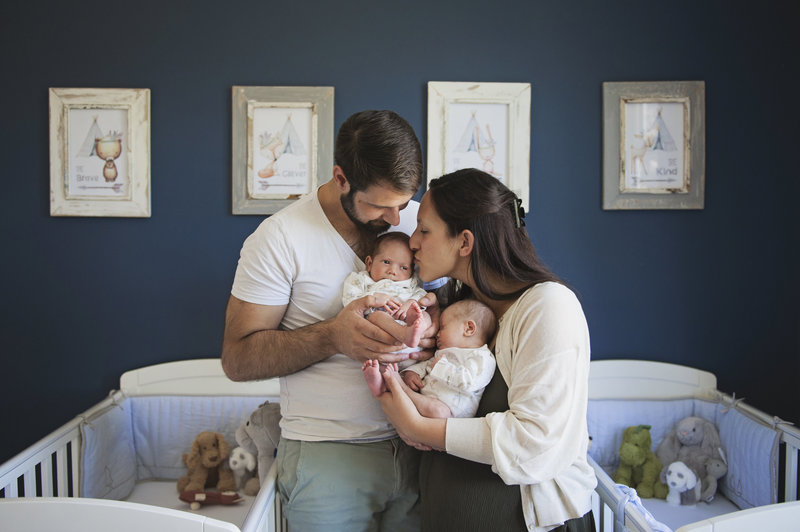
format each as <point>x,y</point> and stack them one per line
<point>86,299</point>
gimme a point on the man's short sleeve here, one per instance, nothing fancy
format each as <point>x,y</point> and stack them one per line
<point>265,271</point>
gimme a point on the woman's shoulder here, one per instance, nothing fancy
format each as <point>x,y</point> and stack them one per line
<point>549,291</point>
<point>550,307</point>
<point>546,301</point>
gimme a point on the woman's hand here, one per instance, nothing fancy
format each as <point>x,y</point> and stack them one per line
<point>401,412</point>
<point>416,445</point>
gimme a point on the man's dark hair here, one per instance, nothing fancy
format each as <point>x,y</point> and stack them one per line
<point>379,147</point>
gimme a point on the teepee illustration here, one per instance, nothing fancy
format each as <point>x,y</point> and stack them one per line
<point>291,139</point>
<point>472,139</point>
<point>87,148</point>
<point>663,139</point>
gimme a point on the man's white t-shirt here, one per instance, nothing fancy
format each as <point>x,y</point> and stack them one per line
<point>296,258</point>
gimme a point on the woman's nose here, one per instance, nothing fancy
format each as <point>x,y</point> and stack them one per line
<point>412,242</point>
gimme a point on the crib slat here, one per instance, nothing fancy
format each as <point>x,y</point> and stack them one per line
<point>47,477</point>
<point>61,472</point>
<point>74,451</point>
<point>790,491</point>
<point>29,482</point>
<point>11,490</point>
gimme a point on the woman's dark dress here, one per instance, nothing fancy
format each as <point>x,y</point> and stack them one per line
<point>460,495</point>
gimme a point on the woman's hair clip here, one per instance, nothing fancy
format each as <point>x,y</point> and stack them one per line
<point>519,212</point>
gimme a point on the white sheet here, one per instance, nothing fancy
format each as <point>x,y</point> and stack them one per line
<point>163,493</point>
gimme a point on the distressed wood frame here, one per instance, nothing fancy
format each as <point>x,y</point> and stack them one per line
<point>517,96</point>
<point>245,101</point>
<point>615,96</point>
<point>136,103</point>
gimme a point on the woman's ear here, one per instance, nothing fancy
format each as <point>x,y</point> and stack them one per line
<point>466,241</point>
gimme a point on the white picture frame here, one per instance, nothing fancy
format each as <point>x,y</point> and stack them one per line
<point>653,145</point>
<point>481,125</point>
<point>282,145</point>
<point>99,152</point>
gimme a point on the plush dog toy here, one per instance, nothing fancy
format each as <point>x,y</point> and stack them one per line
<point>683,485</point>
<point>259,435</point>
<point>695,442</point>
<point>207,465</point>
<point>243,465</point>
<point>639,467</point>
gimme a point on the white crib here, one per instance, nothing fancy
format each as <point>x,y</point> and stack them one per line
<point>117,463</point>
<point>632,392</point>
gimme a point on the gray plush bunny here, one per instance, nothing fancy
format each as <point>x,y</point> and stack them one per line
<point>696,442</point>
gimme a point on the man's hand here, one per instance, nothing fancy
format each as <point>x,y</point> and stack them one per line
<point>353,335</point>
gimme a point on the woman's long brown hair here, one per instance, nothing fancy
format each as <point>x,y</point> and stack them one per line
<point>477,201</point>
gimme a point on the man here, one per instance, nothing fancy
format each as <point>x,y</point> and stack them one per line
<point>341,466</point>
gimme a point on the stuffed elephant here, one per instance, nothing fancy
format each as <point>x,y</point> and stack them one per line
<point>260,434</point>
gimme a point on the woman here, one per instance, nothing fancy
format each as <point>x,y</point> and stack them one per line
<point>521,464</point>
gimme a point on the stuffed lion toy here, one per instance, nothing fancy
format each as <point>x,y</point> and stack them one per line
<point>207,464</point>
<point>639,467</point>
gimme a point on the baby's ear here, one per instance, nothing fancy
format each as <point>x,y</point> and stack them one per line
<point>368,262</point>
<point>470,328</point>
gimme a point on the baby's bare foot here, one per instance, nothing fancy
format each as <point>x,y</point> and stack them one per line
<point>414,332</point>
<point>372,374</point>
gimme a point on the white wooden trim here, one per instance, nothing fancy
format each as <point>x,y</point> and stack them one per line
<point>136,102</point>
<point>641,379</point>
<point>69,514</point>
<point>781,516</point>
<point>192,377</point>
<point>518,98</point>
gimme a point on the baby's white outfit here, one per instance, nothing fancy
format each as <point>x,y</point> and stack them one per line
<point>360,284</point>
<point>458,378</point>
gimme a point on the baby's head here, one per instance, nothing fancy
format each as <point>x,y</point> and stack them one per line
<point>466,323</point>
<point>391,258</point>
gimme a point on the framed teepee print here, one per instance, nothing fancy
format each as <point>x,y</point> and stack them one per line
<point>282,145</point>
<point>654,145</point>
<point>100,152</point>
<point>484,126</point>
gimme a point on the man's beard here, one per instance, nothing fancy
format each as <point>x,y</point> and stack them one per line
<point>373,226</point>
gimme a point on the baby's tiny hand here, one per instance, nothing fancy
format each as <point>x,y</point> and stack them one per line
<point>412,380</point>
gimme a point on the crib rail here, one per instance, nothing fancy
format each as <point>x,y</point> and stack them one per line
<point>267,497</point>
<point>613,512</point>
<point>790,442</point>
<point>51,466</point>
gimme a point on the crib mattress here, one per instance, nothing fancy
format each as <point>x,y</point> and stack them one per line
<point>677,516</point>
<point>164,494</point>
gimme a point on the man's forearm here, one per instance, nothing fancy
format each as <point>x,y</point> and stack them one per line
<point>272,353</point>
